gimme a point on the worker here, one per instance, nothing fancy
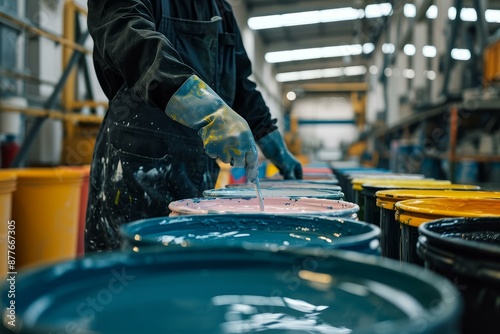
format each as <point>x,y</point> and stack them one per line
<point>177,77</point>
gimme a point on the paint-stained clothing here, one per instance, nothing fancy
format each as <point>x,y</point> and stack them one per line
<point>135,47</point>
<point>144,50</point>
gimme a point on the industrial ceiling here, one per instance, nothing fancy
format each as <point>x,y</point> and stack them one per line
<point>362,31</point>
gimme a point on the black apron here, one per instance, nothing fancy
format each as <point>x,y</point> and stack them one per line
<point>143,160</point>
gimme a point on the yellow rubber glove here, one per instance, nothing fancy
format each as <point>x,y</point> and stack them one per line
<point>225,134</point>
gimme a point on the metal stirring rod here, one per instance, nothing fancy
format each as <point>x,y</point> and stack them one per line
<point>259,194</point>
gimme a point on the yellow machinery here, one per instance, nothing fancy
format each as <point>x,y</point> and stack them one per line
<point>491,65</point>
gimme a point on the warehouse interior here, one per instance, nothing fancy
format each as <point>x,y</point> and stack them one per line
<point>350,81</point>
<point>382,102</point>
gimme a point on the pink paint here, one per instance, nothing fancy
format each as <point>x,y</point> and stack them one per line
<point>275,205</point>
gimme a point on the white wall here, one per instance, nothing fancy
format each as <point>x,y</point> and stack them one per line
<point>319,139</point>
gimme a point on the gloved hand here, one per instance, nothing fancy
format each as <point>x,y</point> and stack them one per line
<point>274,149</point>
<point>225,134</point>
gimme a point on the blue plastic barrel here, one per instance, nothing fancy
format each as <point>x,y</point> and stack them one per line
<point>233,290</point>
<point>267,230</point>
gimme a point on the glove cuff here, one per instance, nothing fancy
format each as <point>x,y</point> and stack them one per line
<point>272,145</point>
<point>193,102</point>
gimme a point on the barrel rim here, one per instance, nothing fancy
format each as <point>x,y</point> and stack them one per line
<point>409,206</point>
<point>102,263</point>
<point>485,270</point>
<point>350,208</point>
<point>48,175</point>
<point>315,192</point>
<point>465,247</point>
<point>131,231</point>
<point>388,197</point>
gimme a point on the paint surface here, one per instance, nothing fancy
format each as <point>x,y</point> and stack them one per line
<point>227,301</point>
<point>271,204</point>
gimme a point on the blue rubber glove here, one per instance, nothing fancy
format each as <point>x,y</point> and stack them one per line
<point>225,134</point>
<point>274,148</point>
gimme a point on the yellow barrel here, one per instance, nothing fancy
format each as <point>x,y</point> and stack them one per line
<point>414,212</point>
<point>45,209</point>
<point>371,211</point>
<point>356,187</point>
<point>7,187</point>
<point>357,181</point>
<point>386,200</point>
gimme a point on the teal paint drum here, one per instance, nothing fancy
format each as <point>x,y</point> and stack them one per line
<point>467,252</point>
<point>271,231</point>
<point>272,205</point>
<point>234,290</point>
<point>274,192</point>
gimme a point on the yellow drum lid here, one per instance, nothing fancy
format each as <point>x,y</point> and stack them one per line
<point>357,187</point>
<point>44,175</point>
<point>388,198</point>
<point>406,183</point>
<point>414,212</point>
<point>7,182</point>
<point>360,181</point>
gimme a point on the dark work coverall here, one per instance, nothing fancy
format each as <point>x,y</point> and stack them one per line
<point>144,50</point>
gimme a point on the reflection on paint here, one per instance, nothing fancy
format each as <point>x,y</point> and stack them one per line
<point>243,315</point>
<point>280,237</point>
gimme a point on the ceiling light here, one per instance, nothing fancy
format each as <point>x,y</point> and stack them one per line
<point>469,14</point>
<point>408,73</point>
<point>492,15</point>
<point>432,12</point>
<point>321,73</point>
<point>429,51</point>
<point>388,71</point>
<point>378,10</point>
<point>452,13</point>
<point>340,14</point>
<point>431,75</point>
<point>466,14</point>
<point>314,53</point>
<point>388,48</point>
<point>460,54</point>
<point>354,70</point>
<point>410,10</point>
<point>303,18</point>
<point>291,96</point>
<point>368,48</point>
<point>409,49</point>
<point>333,72</point>
<point>373,69</point>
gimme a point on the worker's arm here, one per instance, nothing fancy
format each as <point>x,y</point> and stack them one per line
<point>126,40</point>
<point>128,45</point>
<point>225,134</point>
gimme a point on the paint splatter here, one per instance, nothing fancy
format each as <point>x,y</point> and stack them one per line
<point>119,172</point>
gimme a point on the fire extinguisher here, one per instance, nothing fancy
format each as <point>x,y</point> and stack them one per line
<point>9,148</point>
